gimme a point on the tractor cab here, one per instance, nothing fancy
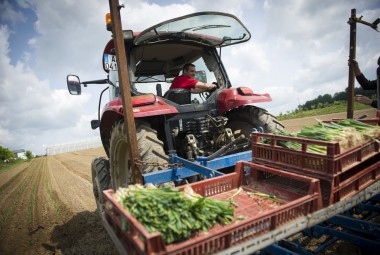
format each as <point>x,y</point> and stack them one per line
<point>157,55</point>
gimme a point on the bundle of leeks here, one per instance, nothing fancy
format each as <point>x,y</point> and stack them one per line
<point>173,213</point>
<point>348,132</point>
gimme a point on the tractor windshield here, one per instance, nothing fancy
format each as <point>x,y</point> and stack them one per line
<point>149,74</point>
<point>156,65</point>
<point>207,28</point>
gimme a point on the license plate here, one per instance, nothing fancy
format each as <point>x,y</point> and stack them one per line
<point>110,62</point>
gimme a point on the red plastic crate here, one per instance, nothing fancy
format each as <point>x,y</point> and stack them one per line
<point>300,194</point>
<point>305,162</point>
<point>352,182</point>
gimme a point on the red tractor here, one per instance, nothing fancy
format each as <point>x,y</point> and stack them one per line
<point>203,126</point>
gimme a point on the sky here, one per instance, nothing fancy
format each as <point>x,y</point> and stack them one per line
<point>298,50</point>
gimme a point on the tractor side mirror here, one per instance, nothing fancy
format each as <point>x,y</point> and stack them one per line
<point>95,124</point>
<point>201,76</point>
<point>73,84</point>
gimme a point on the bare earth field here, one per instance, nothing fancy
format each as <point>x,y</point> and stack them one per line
<point>47,205</point>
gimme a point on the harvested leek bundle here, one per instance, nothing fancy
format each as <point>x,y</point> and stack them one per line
<point>297,145</point>
<point>175,214</point>
<point>368,131</point>
<point>347,137</point>
<point>349,133</point>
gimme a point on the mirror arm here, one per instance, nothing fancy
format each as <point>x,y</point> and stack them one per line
<point>102,81</point>
<point>112,84</point>
<point>100,101</point>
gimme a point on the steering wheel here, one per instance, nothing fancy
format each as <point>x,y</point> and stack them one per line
<point>209,92</point>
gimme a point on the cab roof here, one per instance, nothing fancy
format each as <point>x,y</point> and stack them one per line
<point>215,29</point>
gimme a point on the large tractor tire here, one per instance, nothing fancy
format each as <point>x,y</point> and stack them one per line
<point>248,117</point>
<point>150,148</point>
<point>101,178</point>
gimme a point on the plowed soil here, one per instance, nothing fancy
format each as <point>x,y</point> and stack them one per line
<point>48,207</point>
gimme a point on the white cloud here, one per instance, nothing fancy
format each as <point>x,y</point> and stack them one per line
<point>29,105</point>
<point>313,61</point>
<point>4,46</point>
<point>239,8</point>
<point>140,15</point>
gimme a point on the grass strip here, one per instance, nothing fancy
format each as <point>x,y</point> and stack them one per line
<point>5,167</point>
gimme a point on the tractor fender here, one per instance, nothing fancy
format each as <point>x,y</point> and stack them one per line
<point>145,105</point>
<point>232,98</point>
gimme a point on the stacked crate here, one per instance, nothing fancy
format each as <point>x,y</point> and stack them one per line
<point>341,174</point>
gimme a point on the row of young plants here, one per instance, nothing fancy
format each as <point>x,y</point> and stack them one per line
<point>52,195</point>
<point>32,200</point>
<point>35,168</point>
<point>16,199</point>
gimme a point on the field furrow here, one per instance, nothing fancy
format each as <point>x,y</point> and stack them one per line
<point>15,182</point>
<point>49,209</point>
<point>16,214</point>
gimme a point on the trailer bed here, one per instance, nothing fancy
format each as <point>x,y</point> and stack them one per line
<point>255,214</point>
<point>266,239</point>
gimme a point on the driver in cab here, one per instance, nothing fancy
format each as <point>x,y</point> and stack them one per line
<point>187,81</point>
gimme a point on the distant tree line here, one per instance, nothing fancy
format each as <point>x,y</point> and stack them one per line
<point>325,100</point>
<point>5,153</point>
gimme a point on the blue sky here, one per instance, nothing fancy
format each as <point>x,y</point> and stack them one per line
<point>298,50</point>
<point>20,23</point>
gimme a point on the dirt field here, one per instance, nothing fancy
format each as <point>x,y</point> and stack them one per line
<point>47,205</point>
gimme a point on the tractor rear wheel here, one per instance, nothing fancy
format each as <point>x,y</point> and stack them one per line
<point>249,117</point>
<point>100,171</point>
<point>150,148</point>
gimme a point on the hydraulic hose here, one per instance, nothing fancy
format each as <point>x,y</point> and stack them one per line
<point>224,149</point>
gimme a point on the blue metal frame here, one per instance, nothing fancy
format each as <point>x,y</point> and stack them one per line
<point>353,238</point>
<point>190,168</point>
<point>276,249</point>
<point>358,225</point>
<point>363,233</point>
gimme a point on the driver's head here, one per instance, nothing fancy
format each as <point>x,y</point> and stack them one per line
<point>189,70</point>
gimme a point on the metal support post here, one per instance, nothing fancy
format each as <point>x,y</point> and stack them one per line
<point>378,85</point>
<point>351,76</point>
<point>129,121</point>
